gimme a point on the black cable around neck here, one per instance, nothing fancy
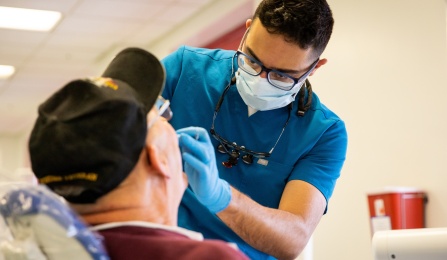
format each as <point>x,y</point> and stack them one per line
<point>303,107</point>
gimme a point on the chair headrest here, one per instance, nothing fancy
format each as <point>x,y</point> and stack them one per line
<point>35,215</point>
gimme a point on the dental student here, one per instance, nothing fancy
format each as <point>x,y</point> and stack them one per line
<point>263,171</point>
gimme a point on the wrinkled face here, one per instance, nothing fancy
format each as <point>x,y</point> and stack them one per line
<point>163,136</point>
<point>275,53</point>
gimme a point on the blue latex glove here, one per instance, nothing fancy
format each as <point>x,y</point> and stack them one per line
<point>200,167</point>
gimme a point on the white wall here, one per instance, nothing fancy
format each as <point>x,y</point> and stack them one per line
<point>386,77</point>
<point>14,162</point>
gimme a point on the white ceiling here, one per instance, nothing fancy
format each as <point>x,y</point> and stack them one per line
<point>89,34</point>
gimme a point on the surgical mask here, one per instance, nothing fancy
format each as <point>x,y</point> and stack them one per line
<point>259,94</point>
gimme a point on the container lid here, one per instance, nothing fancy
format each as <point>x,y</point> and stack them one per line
<point>395,189</point>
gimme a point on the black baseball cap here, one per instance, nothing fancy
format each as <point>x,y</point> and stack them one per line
<point>89,134</point>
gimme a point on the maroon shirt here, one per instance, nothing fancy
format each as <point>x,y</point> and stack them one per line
<point>135,242</point>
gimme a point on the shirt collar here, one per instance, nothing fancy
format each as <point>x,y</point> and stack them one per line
<point>188,233</point>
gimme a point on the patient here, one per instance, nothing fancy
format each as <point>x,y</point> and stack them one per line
<point>105,145</point>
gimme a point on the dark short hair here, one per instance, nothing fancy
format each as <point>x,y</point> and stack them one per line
<point>307,23</point>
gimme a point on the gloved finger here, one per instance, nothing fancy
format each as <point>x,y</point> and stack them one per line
<point>203,136</point>
<point>181,137</point>
<point>193,162</point>
<point>197,133</point>
<point>191,130</point>
<point>194,147</point>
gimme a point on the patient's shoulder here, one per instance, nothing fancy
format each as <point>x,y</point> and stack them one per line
<point>140,241</point>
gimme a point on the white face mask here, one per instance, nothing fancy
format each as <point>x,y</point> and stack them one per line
<point>259,94</point>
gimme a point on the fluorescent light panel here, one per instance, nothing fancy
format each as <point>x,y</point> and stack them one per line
<point>28,19</point>
<point>6,71</point>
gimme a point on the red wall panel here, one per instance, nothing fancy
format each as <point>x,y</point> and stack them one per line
<point>228,41</point>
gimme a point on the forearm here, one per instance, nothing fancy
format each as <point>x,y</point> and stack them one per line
<point>282,232</point>
<point>276,232</point>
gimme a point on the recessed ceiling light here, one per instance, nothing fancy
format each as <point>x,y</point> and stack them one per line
<point>28,19</point>
<point>6,71</point>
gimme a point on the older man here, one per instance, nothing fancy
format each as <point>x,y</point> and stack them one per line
<point>105,145</point>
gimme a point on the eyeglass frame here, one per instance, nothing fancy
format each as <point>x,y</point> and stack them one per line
<point>268,70</point>
<point>163,110</point>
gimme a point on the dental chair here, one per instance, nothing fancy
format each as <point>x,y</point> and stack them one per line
<point>36,223</point>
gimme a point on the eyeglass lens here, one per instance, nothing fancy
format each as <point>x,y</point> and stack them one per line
<point>254,67</point>
<point>163,108</point>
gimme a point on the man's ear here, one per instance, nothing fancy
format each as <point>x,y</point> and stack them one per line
<point>157,160</point>
<point>248,23</point>
<point>319,64</point>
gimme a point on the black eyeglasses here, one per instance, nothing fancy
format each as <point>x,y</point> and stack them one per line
<point>276,78</point>
<point>232,148</point>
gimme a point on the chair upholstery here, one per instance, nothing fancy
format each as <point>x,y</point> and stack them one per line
<point>42,226</point>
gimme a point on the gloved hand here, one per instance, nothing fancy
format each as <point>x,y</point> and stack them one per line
<point>200,167</point>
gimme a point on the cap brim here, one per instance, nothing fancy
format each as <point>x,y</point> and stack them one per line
<point>142,71</point>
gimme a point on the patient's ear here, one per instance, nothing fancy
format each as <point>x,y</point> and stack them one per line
<point>157,160</point>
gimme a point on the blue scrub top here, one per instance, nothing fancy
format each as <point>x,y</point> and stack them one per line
<point>312,148</point>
